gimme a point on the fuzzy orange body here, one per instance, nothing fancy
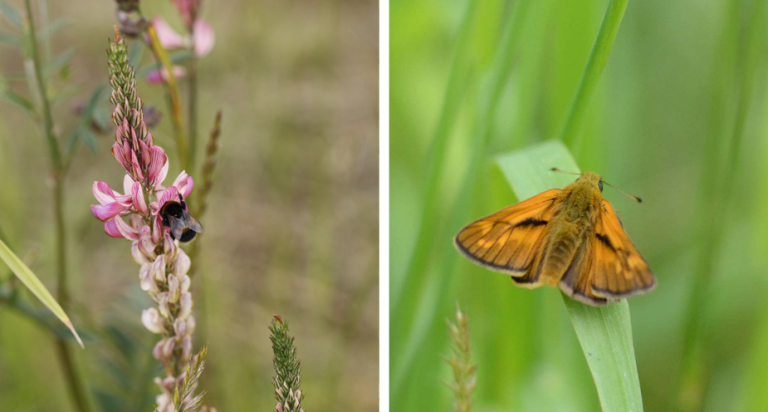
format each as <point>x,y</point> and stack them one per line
<point>571,238</point>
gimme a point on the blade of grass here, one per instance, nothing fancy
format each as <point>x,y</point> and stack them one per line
<point>605,333</point>
<point>29,279</point>
<point>416,316</point>
<point>598,58</point>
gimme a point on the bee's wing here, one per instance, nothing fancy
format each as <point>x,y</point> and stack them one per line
<point>177,227</point>
<point>192,223</point>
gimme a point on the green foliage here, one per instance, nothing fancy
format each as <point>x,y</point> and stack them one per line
<point>31,281</point>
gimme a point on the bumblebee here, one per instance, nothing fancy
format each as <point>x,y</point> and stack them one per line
<point>175,216</point>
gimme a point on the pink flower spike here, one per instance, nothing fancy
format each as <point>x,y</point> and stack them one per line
<point>125,229</point>
<point>204,37</point>
<point>110,227</point>
<point>137,173</point>
<point>158,165</point>
<point>159,76</point>
<point>167,36</point>
<point>106,212</point>
<point>138,200</point>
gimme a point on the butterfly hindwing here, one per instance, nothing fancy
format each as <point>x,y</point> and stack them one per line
<point>509,240</point>
<point>619,270</point>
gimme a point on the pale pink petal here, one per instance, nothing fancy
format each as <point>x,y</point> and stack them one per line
<point>127,184</point>
<point>186,187</point>
<point>190,325</point>
<point>181,264</point>
<point>181,178</point>
<point>146,281</point>
<point>169,247</point>
<point>152,320</point>
<point>139,257</point>
<point>110,227</point>
<point>106,212</point>
<point>173,289</point>
<point>145,243</point>
<point>125,229</point>
<point>159,76</point>
<point>186,348</point>
<point>186,305</point>
<point>158,165</point>
<point>158,269</point>
<point>179,327</point>
<point>138,199</point>
<point>204,37</point>
<point>167,36</point>
<point>170,194</point>
<point>162,304</point>
<point>103,193</point>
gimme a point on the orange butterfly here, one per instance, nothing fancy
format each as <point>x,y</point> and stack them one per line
<point>570,237</point>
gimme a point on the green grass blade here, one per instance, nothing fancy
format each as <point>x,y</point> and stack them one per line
<point>598,58</point>
<point>605,333</point>
<point>33,283</point>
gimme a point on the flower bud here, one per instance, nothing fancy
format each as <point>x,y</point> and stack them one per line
<point>186,305</point>
<point>152,321</point>
<point>173,289</point>
<point>162,304</point>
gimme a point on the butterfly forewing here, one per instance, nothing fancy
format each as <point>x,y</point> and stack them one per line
<point>510,239</point>
<point>620,271</point>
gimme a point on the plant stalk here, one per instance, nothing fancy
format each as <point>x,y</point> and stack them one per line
<point>74,380</point>
<point>598,58</point>
<point>173,97</point>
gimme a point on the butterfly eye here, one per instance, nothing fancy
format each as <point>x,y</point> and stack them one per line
<point>600,185</point>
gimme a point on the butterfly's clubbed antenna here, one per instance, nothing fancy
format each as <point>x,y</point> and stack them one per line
<point>633,197</point>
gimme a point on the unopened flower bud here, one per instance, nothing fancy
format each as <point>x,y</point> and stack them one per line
<point>162,304</point>
<point>186,305</point>
<point>179,327</point>
<point>173,289</point>
<point>186,347</point>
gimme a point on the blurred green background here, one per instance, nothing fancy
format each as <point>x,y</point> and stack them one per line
<point>677,119</point>
<point>291,226</point>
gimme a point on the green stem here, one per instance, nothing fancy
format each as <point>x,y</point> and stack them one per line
<point>192,105</point>
<point>173,97</point>
<point>598,58</point>
<point>73,379</point>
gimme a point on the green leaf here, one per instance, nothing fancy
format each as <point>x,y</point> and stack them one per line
<point>33,283</point>
<point>87,136</point>
<point>17,100</point>
<point>11,15</point>
<point>605,333</point>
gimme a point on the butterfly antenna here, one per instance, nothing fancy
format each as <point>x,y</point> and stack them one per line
<point>635,198</point>
<point>554,169</point>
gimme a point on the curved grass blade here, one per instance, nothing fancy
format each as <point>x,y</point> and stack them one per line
<point>33,283</point>
<point>605,333</point>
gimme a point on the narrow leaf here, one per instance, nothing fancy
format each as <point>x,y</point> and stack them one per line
<point>33,283</point>
<point>54,27</point>
<point>605,333</point>
<point>17,100</point>
<point>62,59</point>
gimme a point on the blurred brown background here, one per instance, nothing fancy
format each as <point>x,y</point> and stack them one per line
<point>291,226</point>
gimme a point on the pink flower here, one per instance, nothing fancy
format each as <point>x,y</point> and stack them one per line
<point>188,9</point>
<point>202,31</point>
<point>111,203</point>
<point>181,186</point>
<point>159,76</point>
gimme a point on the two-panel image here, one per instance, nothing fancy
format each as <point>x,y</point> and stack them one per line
<point>360,205</point>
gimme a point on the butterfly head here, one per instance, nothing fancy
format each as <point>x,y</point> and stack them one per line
<point>592,178</point>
